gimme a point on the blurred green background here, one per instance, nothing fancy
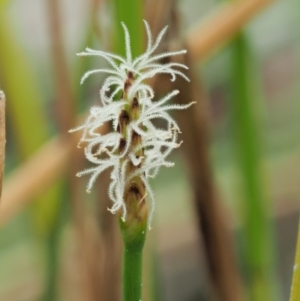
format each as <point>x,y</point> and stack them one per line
<point>252,88</point>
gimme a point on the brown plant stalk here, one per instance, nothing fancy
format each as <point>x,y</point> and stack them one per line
<point>212,217</point>
<point>65,109</point>
<point>214,228</point>
<point>205,37</point>
<point>111,246</point>
<point>106,254</point>
<point>46,169</point>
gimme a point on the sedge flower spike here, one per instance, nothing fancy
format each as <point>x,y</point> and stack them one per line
<point>135,148</point>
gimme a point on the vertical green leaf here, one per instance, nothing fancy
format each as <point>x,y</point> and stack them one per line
<point>131,13</point>
<point>258,240</point>
<point>295,291</point>
<point>26,113</point>
<point>25,100</point>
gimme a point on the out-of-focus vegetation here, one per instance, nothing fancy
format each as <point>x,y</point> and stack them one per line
<point>60,244</point>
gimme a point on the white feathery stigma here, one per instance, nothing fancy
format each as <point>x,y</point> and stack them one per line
<point>127,76</point>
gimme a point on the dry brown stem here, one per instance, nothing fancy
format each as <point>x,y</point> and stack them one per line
<point>111,244</point>
<point>214,229</point>
<point>213,226</point>
<point>65,106</point>
<point>88,239</point>
<point>34,176</point>
<point>157,13</point>
<point>213,223</point>
<point>107,277</point>
<point>2,138</point>
<point>207,36</point>
<point>64,98</point>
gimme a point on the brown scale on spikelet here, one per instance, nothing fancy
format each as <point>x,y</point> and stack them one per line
<point>135,190</point>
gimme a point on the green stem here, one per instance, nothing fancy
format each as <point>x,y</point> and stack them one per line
<point>134,234</point>
<point>131,13</point>
<point>258,243</point>
<point>132,274</point>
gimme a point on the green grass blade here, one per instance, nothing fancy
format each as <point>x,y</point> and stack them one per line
<point>25,100</point>
<point>27,115</point>
<point>258,240</point>
<point>295,291</point>
<point>131,13</point>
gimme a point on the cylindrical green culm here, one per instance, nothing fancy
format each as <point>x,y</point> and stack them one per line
<point>133,234</point>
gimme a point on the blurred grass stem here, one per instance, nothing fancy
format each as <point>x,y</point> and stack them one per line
<point>131,13</point>
<point>64,99</point>
<point>66,109</point>
<point>212,219</point>
<point>258,243</point>
<point>295,290</point>
<point>31,130</point>
<point>2,139</point>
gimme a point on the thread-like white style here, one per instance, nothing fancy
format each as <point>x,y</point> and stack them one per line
<point>157,144</point>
